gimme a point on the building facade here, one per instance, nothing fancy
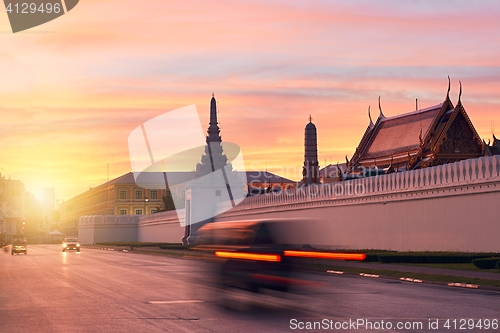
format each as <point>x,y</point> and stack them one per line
<point>120,196</point>
<point>12,207</point>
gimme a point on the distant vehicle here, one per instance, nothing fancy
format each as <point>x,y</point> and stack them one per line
<point>70,243</point>
<point>19,245</point>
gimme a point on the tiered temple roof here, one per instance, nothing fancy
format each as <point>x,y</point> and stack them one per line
<point>439,134</point>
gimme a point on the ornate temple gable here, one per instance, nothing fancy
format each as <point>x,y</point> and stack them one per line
<point>457,141</point>
<point>449,121</point>
<point>431,136</point>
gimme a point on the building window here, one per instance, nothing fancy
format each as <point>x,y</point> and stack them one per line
<point>123,194</point>
<point>154,194</point>
<point>154,211</point>
<point>138,212</point>
<point>138,194</point>
<point>123,212</point>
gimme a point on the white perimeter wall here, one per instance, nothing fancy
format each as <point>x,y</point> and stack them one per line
<point>448,208</point>
<point>160,227</point>
<point>107,228</point>
<point>453,207</point>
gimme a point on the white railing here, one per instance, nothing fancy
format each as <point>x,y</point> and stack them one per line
<point>158,216</point>
<point>171,215</point>
<point>108,220</point>
<point>471,171</point>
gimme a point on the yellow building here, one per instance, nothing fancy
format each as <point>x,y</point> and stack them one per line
<point>120,196</point>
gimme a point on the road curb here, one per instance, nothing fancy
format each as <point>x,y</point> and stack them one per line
<point>418,281</point>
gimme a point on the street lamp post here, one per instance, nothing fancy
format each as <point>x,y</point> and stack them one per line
<point>145,205</point>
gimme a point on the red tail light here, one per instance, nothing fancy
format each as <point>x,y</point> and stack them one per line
<point>325,255</point>
<point>249,256</point>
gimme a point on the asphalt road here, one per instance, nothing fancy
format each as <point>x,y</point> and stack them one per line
<point>111,291</point>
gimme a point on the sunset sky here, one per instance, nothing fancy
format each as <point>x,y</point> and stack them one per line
<point>72,90</point>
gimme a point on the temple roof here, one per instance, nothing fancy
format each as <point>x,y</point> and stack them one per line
<point>331,170</point>
<point>494,148</point>
<point>399,134</point>
<point>265,177</point>
<point>417,137</point>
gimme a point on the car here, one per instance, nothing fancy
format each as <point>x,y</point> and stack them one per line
<point>71,243</point>
<point>258,255</point>
<point>19,245</point>
<point>251,258</point>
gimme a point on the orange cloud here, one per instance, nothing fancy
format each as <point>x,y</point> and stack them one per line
<point>72,90</point>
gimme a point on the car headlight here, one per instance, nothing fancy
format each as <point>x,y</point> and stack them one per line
<point>78,245</point>
<point>64,245</point>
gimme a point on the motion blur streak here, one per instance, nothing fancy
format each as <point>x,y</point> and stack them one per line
<point>249,256</point>
<point>325,255</point>
<point>279,279</point>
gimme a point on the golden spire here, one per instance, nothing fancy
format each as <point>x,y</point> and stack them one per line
<point>381,115</point>
<point>460,93</point>
<point>449,86</point>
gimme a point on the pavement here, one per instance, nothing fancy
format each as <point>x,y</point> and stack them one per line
<point>114,291</point>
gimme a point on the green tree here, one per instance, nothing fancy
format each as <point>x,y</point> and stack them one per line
<point>167,203</point>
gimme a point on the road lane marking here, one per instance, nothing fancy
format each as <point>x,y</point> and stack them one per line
<point>175,302</point>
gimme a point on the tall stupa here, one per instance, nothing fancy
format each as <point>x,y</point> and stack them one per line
<point>213,157</point>
<point>310,170</point>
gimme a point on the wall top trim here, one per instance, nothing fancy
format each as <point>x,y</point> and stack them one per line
<point>472,172</point>
<point>108,220</point>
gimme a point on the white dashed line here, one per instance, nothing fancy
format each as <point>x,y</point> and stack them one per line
<point>175,302</point>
